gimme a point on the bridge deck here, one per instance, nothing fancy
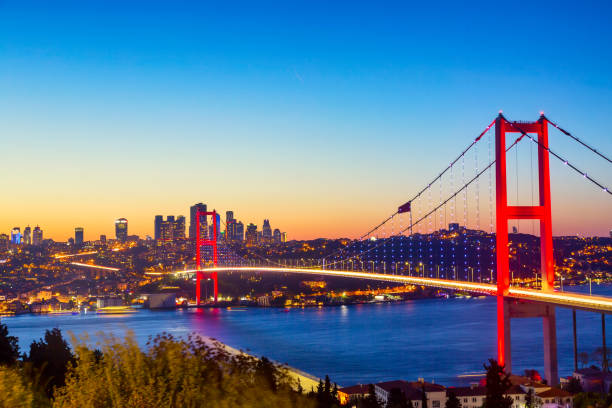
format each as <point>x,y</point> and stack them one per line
<point>564,299</point>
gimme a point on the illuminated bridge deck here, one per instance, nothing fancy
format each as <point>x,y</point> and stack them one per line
<point>564,299</point>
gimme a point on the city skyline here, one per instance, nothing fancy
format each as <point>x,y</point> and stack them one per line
<point>318,124</point>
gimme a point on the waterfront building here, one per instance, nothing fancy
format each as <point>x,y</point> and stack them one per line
<point>192,221</point>
<point>435,393</point>
<point>78,236</point>
<point>277,236</point>
<point>16,236</point>
<point>266,232</point>
<point>37,236</point>
<point>27,236</point>
<point>121,229</point>
<point>353,394</point>
<point>251,235</point>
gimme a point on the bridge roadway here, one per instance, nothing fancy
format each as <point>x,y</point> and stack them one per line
<point>563,299</point>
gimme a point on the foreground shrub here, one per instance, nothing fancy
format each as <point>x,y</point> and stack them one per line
<point>17,392</point>
<point>173,373</point>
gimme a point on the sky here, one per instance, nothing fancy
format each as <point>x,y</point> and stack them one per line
<point>321,116</point>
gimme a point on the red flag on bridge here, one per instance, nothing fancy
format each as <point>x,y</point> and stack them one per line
<point>404,208</point>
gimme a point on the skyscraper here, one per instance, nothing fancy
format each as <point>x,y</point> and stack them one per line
<point>229,216</point>
<point>179,227</point>
<point>16,236</point>
<point>78,236</point>
<point>121,229</point>
<point>158,226</point>
<point>251,235</point>
<point>277,236</point>
<point>37,236</point>
<point>103,239</point>
<point>266,232</point>
<point>192,221</point>
<point>239,235</point>
<point>27,235</point>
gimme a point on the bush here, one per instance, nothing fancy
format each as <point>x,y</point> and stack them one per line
<point>17,392</point>
<point>173,373</point>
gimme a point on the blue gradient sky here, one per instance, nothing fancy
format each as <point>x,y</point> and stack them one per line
<point>322,117</point>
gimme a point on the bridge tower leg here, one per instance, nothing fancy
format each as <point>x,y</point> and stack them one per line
<point>541,212</point>
<point>200,242</point>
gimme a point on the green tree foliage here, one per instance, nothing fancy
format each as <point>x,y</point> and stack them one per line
<point>174,373</point>
<point>589,400</point>
<point>497,387</point>
<point>584,359</point>
<point>327,396</point>
<point>371,400</point>
<point>452,401</point>
<point>9,347</point>
<point>397,399</point>
<point>530,399</point>
<point>50,357</point>
<point>573,386</point>
<point>16,391</point>
<point>423,397</point>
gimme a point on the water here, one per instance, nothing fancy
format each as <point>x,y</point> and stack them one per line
<point>434,338</point>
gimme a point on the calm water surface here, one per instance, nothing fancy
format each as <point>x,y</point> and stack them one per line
<point>434,338</point>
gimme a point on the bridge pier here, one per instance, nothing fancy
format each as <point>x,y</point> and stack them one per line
<point>512,309</point>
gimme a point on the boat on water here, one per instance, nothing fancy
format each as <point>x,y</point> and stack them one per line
<point>116,310</point>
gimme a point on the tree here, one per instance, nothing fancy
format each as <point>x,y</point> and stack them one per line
<point>268,372</point>
<point>51,357</point>
<point>452,401</point>
<point>584,358</point>
<point>9,347</point>
<point>530,399</point>
<point>497,386</point>
<point>371,400</point>
<point>423,397</point>
<point>573,386</point>
<point>397,399</point>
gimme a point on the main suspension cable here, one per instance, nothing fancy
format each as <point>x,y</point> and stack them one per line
<point>578,140</point>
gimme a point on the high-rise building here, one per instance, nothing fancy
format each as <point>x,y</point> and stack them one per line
<point>121,229</point>
<point>211,226</point>
<point>251,235</point>
<point>78,236</point>
<point>229,216</point>
<point>192,221</point>
<point>277,236</point>
<point>27,236</point>
<point>230,231</point>
<point>37,236</point>
<point>239,235</point>
<point>16,236</point>
<point>158,226</point>
<point>266,232</point>
<point>283,237</point>
<point>179,227</point>
<point>103,239</point>
<point>170,229</point>
<point>4,242</point>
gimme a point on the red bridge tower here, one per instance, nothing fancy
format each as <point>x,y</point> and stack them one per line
<point>506,308</point>
<point>205,242</point>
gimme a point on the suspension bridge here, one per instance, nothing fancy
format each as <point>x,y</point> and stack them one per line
<point>427,242</point>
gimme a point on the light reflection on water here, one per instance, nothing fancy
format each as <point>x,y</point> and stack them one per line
<point>433,338</point>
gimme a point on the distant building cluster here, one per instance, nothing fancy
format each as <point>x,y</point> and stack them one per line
<point>172,229</point>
